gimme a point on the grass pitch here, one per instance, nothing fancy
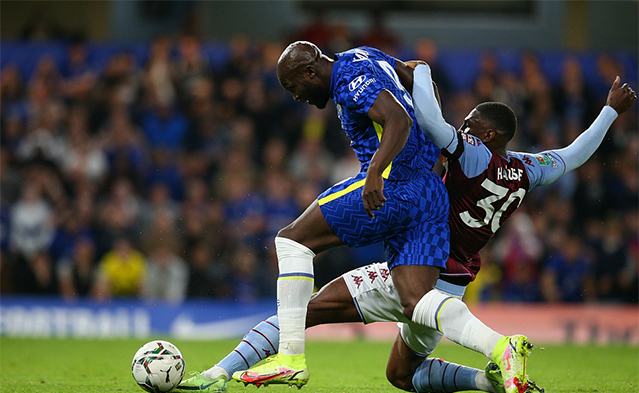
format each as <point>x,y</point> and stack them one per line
<point>85,366</point>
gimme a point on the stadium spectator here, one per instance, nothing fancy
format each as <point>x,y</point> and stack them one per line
<point>166,275</point>
<point>158,73</point>
<point>380,36</point>
<point>77,272</point>
<point>32,225</point>
<point>209,274</point>
<point>38,276</point>
<point>317,30</point>
<point>250,279</point>
<point>121,271</point>
<point>190,68</point>
<point>79,77</point>
<point>567,272</point>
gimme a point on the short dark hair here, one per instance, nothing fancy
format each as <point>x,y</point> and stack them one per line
<point>500,115</point>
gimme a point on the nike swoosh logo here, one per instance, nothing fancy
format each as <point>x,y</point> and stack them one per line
<point>203,386</point>
<point>264,377</point>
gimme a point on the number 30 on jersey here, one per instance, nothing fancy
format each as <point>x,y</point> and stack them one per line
<point>493,218</point>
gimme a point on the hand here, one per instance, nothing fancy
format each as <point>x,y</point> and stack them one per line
<point>622,98</point>
<point>414,63</point>
<point>373,193</point>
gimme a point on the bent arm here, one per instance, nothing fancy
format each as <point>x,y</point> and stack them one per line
<point>396,123</point>
<point>428,113</point>
<point>393,126</point>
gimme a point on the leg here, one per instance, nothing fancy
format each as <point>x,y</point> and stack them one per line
<point>411,372</point>
<point>296,245</point>
<point>401,365</point>
<point>414,258</point>
<point>311,230</point>
<point>336,218</point>
<point>451,316</point>
<point>412,283</point>
<point>333,303</point>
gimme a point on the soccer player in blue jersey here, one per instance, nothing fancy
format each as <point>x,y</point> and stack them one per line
<point>477,156</point>
<point>396,198</point>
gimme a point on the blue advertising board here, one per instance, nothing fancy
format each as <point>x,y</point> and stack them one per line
<point>26,316</point>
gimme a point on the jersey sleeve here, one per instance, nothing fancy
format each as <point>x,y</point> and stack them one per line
<point>587,143</point>
<point>542,168</point>
<point>546,167</point>
<point>475,157</point>
<point>428,113</point>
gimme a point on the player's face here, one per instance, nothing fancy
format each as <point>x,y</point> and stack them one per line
<point>474,126</point>
<point>305,90</point>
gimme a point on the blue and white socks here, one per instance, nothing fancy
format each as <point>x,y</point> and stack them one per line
<point>259,343</point>
<point>439,376</point>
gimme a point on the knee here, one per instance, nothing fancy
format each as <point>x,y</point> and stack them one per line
<point>410,304</point>
<point>286,232</point>
<point>408,310</point>
<point>400,379</point>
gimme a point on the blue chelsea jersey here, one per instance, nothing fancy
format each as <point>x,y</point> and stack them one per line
<point>358,76</point>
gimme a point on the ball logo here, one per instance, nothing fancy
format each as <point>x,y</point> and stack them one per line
<point>355,83</point>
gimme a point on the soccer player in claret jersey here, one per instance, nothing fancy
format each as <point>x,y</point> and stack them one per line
<point>477,155</point>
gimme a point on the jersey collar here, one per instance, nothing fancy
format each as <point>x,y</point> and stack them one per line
<point>337,66</point>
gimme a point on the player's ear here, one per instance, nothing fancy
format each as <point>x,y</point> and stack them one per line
<point>310,71</point>
<point>489,135</point>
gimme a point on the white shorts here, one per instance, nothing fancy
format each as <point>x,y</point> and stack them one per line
<point>376,300</point>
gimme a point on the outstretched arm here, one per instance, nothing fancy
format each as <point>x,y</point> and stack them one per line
<point>620,99</point>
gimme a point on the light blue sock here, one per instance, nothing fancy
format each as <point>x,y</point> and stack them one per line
<point>439,376</point>
<point>259,343</point>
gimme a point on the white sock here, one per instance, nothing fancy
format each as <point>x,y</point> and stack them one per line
<point>451,316</point>
<point>214,372</point>
<point>483,383</point>
<point>294,289</point>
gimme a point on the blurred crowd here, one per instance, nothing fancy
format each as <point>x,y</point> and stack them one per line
<point>168,179</point>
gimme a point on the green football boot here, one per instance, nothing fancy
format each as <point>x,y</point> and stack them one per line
<point>198,383</point>
<point>493,374</point>
<point>277,369</point>
<point>511,353</point>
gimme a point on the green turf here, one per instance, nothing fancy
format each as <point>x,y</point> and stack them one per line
<point>74,366</point>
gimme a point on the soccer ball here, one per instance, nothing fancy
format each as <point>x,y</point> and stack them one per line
<point>158,366</point>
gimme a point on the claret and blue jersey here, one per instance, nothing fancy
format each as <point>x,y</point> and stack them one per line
<point>484,190</point>
<point>358,76</point>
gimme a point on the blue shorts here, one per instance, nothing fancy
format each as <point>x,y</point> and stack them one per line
<point>413,223</point>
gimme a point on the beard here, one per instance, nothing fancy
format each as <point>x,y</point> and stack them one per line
<point>317,96</point>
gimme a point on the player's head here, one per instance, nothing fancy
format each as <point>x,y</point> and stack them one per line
<point>300,71</point>
<point>492,122</point>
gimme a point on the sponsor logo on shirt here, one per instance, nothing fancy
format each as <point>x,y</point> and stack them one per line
<point>362,88</point>
<point>356,82</point>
